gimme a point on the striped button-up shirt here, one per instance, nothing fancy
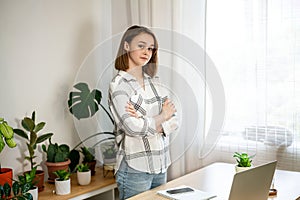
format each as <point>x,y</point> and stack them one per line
<point>140,145</point>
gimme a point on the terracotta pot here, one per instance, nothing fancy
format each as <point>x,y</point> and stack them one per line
<point>52,167</point>
<point>92,166</point>
<point>6,176</point>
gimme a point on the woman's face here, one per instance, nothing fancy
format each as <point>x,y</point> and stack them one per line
<point>140,50</point>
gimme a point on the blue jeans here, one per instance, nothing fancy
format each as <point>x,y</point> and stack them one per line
<point>132,182</point>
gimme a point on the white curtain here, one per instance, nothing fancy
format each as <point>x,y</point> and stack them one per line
<point>255,46</point>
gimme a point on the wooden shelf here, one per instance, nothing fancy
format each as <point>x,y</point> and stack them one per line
<point>99,184</point>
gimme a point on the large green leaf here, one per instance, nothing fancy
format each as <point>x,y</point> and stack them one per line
<point>6,189</point>
<point>21,133</point>
<point>28,124</point>
<point>39,127</point>
<point>84,103</point>
<point>44,137</point>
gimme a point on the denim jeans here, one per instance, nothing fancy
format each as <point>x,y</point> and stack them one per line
<point>132,182</point>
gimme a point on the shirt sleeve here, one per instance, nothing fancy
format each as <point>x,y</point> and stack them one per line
<point>171,125</point>
<point>141,126</point>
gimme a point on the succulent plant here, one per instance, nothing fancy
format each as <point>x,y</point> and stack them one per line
<point>243,159</point>
<point>56,153</point>
<point>62,174</point>
<point>83,167</point>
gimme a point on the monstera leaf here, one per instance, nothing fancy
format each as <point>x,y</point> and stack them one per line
<point>84,103</point>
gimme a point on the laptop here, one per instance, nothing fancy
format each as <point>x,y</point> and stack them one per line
<point>254,183</point>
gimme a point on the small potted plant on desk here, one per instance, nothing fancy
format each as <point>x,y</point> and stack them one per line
<point>244,161</point>
<point>62,182</point>
<point>6,137</point>
<point>57,158</point>
<point>29,180</point>
<point>89,158</point>
<point>33,139</point>
<point>83,174</point>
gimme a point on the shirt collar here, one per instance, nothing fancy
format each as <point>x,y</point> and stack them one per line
<point>129,77</point>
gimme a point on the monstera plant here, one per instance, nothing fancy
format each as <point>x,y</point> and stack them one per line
<point>84,103</point>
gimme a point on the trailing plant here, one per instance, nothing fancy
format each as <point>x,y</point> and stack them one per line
<point>243,159</point>
<point>62,174</point>
<point>83,167</point>
<point>32,137</point>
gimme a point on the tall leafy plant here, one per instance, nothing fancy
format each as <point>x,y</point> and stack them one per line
<point>32,137</point>
<point>84,103</point>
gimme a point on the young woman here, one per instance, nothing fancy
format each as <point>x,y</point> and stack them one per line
<point>144,116</point>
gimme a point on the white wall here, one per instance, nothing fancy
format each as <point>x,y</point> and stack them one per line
<point>42,45</point>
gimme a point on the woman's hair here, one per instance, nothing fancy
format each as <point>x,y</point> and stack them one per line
<point>121,61</point>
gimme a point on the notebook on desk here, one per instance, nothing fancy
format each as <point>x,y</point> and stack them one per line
<point>253,183</point>
<point>185,193</point>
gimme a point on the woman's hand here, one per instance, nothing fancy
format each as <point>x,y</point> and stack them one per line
<point>168,109</point>
<point>131,110</point>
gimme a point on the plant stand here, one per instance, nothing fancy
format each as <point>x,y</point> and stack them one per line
<point>109,167</point>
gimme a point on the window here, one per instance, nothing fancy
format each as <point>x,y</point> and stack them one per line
<point>256,47</point>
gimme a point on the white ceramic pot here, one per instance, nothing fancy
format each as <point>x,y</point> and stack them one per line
<point>35,193</point>
<point>240,169</point>
<point>84,178</point>
<point>62,187</point>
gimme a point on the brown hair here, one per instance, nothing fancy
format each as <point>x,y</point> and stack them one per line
<point>121,61</point>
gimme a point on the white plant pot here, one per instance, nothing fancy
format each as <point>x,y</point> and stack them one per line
<point>62,187</point>
<point>84,178</point>
<point>240,169</point>
<point>35,193</point>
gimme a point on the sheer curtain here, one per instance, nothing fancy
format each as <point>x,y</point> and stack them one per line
<point>255,46</point>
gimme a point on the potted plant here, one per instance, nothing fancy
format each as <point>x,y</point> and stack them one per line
<point>62,182</point>
<point>16,191</point>
<point>57,158</point>
<point>89,158</point>
<point>109,152</point>
<point>84,103</point>
<point>83,174</point>
<point>6,138</point>
<point>33,138</point>
<point>29,179</point>
<point>244,161</point>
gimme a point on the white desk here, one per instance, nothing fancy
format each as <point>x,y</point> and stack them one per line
<point>217,178</point>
